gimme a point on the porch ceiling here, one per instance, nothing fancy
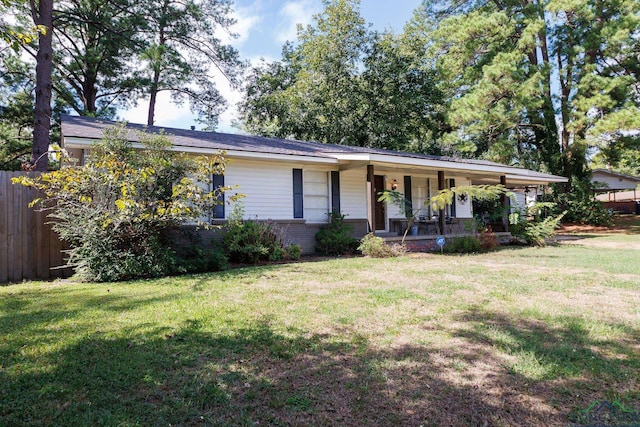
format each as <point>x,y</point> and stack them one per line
<point>524,178</point>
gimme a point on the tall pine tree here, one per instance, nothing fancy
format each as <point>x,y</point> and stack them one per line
<point>539,82</point>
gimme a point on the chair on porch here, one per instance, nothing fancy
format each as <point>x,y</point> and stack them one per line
<point>429,226</point>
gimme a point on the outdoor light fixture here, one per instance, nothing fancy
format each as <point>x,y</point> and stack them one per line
<point>394,184</point>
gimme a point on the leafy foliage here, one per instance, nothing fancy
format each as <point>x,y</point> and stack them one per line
<point>182,43</point>
<point>533,228</point>
<point>537,83</point>
<point>475,192</point>
<point>581,207</point>
<point>248,241</point>
<point>115,209</point>
<point>343,84</point>
<point>375,247</point>
<point>197,259</point>
<point>536,233</point>
<point>107,55</point>
<point>336,237</point>
<point>14,34</point>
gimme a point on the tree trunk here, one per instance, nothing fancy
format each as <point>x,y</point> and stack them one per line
<point>157,68</point>
<point>550,150</point>
<point>42,15</point>
<point>152,101</point>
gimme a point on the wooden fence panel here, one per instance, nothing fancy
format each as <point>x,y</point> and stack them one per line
<point>4,237</point>
<point>29,249</point>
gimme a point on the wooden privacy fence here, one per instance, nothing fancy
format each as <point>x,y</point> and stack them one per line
<point>29,249</point>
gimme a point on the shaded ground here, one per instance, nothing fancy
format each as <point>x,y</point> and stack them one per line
<point>588,235</point>
<point>260,377</point>
<point>623,223</point>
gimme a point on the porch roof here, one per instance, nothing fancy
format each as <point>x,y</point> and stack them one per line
<point>81,132</point>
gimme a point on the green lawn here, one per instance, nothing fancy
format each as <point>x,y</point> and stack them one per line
<point>522,336</point>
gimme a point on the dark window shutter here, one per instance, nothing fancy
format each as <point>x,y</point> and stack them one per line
<point>452,183</point>
<point>408,209</point>
<point>335,191</point>
<point>298,210</point>
<point>218,210</point>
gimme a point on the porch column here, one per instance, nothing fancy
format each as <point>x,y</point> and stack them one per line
<point>441,212</point>
<point>371,199</point>
<point>505,204</point>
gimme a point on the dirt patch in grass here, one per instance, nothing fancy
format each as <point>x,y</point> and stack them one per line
<point>584,228</point>
<point>623,223</point>
<point>601,244</point>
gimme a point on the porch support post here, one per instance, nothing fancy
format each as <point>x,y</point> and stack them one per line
<point>371,199</point>
<point>441,212</point>
<point>505,204</point>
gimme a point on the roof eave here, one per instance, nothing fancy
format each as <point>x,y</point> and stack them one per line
<point>78,142</point>
<point>511,173</point>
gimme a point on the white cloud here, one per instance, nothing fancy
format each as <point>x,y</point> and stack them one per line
<point>246,20</point>
<point>294,13</point>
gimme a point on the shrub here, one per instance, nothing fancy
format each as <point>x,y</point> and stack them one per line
<point>114,209</point>
<point>463,245</point>
<point>294,252</point>
<point>488,239</point>
<point>197,259</point>
<point>130,253</point>
<point>375,247</point>
<point>335,237</point>
<point>251,241</point>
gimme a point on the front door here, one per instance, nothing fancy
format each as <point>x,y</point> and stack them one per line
<point>381,214</point>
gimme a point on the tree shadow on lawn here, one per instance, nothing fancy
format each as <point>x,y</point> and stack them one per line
<point>17,316</point>
<point>564,365</point>
<point>630,223</point>
<point>259,376</point>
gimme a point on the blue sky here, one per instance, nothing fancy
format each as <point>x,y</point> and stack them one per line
<point>262,27</point>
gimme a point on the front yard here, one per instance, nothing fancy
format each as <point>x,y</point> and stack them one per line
<point>522,336</point>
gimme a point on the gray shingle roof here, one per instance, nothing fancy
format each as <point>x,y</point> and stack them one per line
<point>85,127</point>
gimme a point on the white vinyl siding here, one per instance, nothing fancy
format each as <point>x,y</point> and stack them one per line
<point>206,186</point>
<point>353,193</point>
<point>267,188</point>
<point>316,195</point>
<point>612,182</point>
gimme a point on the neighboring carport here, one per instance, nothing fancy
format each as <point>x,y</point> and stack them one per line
<point>617,191</point>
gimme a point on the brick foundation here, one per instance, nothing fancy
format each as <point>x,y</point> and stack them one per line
<point>291,232</point>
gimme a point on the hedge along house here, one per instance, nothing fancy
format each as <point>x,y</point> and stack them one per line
<point>297,183</point>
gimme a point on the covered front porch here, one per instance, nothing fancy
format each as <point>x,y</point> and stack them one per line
<point>421,177</point>
<point>418,185</point>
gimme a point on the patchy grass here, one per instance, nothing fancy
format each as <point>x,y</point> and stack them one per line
<point>515,337</point>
